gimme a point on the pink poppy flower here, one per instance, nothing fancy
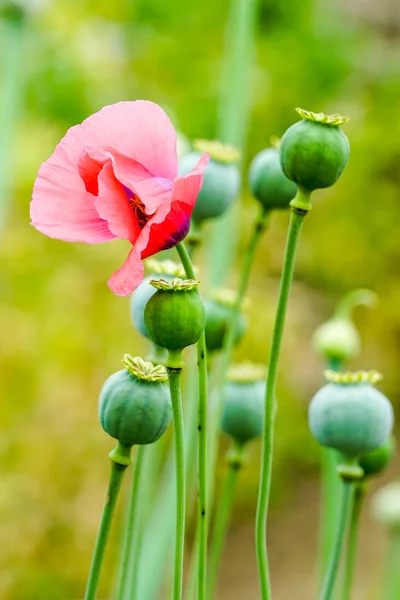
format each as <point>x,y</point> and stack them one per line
<point>115,176</point>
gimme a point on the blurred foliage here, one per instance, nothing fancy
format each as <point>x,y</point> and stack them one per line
<point>62,330</point>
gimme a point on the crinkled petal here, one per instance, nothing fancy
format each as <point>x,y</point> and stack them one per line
<point>140,130</point>
<point>170,224</point>
<point>129,276</point>
<point>113,206</point>
<point>61,206</point>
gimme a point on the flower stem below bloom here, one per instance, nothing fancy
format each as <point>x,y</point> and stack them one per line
<point>296,222</point>
<point>174,377</point>
<point>202,509</point>
<point>120,458</point>
<point>351,553</point>
<point>344,510</point>
<point>222,516</point>
<point>130,553</point>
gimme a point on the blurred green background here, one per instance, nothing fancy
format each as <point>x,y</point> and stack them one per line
<point>62,330</point>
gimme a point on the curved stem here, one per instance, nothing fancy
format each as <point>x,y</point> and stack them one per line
<point>392,576</point>
<point>202,509</point>
<point>130,554</point>
<point>349,567</point>
<point>174,377</point>
<point>122,453</point>
<point>346,496</point>
<point>296,222</point>
<point>222,516</point>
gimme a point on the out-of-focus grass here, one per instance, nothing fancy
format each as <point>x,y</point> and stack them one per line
<point>62,330</point>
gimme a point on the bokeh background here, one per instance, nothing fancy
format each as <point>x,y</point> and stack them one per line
<point>63,332</point>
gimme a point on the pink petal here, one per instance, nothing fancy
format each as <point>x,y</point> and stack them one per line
<point>170,224</point>
<point>113,206</point>
<point>127,171</point>
<point>140,130</point>
<point>61,206</point>
<point>129,276</point>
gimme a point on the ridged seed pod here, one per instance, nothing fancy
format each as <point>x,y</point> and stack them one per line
<point>350,414</point>
<point>268,183</point>
<point>315,151</point>
<point>134,403</point>
<point>218,318</point>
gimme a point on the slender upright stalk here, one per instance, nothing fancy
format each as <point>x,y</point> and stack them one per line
<point>222,517</point>
<point>259,227</point>
<point>392,575</point>
<point>352,540</point>
<point>295,225</point>
<point>233,115</point>
<point>120,459</point>
<point>10,103</point>
<point>174,378</point>
<point>130,554</point>
<point>329,496</point>
<point>346,497</point>
<point>202,510</point>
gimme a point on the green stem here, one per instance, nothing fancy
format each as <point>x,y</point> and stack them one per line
<point>233,115</point>
<point>10,104</point>
<point>202,510</point>
<point>222,517</point>
<point>349,567</point>
<point>296,222</point>
<point>174,377</point>
<point>120,459</point>
<point>259,227</point>
<point>130,555</point>
<point>345,504</point>
<point>392,578</point>
<point>329,495</point>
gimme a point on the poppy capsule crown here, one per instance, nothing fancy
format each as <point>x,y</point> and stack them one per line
<point>349,414</point>
<point>134,403</point>
<point>315,151</point>
<point>175,315</point>
<point>221,181</point>
<point>166,269</point>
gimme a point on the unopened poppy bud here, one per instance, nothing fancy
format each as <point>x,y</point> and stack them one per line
<point>219,317</point>
<point>376,461</point>
<point>386,505</point>
<point>221,183</point>
<point>175,315</point>
<point>166,269</point>
<point>315,151</point>
<point>349,414</point>
<point>268,183</point>
<point>134,403</point>
<point>244,397</point>
<point>338,339</point>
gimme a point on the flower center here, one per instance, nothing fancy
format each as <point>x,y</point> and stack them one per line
<point>138,208</point>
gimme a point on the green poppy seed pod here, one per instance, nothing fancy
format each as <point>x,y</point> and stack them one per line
<point>221,183</point>
<point>349,414</point>
<point>338,339</point>
<point>166,269</point>
<point>315,151</point>
<point>244,397</point>
<point>219,308</point>
<point>175,315</point>
<point>268,183</point>
<point>376,461</point>
<point>134,403</point>
<point>386,505</point>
